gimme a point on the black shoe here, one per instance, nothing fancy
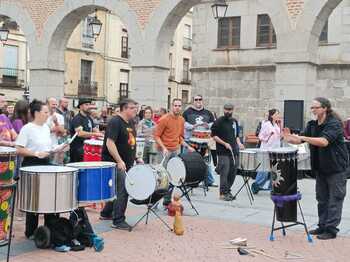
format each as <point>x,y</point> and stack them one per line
<point>213,185</point>
<point>326,236</point>
<point>317,231</point>
<point>227,197</point>
<point>122,226</point>
<point>105,218</point>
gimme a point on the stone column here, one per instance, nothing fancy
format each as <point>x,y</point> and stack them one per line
<point>149,85</point>
<point>46,83</point>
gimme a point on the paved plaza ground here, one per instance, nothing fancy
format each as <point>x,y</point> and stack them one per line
<point>206,236</point>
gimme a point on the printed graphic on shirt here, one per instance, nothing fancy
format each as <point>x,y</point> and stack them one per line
<point>5,133</point>
<point>131,139</point>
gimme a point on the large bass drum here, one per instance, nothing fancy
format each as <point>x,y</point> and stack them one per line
<point>187,169</point>
<point>284,167</point>
<point>144,180</point>
<point>48,189</point>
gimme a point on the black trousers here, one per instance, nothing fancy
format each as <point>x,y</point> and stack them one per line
<point>330,194</point>
<point>227,169</point>
<point>117,208</point>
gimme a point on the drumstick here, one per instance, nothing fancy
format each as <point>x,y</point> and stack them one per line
<point>127,178</point>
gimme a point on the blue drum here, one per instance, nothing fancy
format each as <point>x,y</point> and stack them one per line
<point>96,181</point>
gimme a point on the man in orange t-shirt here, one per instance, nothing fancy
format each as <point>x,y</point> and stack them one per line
<point>169,136</point>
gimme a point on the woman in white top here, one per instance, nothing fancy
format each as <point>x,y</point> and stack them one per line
<point>270,137</point>
<point>34,144</point>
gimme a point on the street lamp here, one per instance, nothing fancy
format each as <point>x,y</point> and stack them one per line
<point>4,34</point>
<point>219,9</point>
<point>96,26</point>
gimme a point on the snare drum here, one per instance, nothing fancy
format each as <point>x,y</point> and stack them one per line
<point>93,150</point>
<point>96,181</point>
<point>140,147</point>
<point>204,134</point>
<point>247,160</point>
<point>48,189</point>
<point>7,164</point>
<point>144,180</point>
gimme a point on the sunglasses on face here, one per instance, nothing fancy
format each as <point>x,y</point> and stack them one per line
<point>198,99</point>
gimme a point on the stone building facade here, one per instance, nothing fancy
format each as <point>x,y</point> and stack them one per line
<point>294,70</point>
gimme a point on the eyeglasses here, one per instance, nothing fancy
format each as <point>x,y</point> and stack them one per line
<point>198,99</point>
<point>315,107</point>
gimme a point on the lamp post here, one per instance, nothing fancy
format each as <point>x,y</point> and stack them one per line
<point>219,9</point>
<point>4,34</point>
<point>96,26</point>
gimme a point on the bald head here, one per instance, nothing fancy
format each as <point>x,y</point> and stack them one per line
<point>52,104</point>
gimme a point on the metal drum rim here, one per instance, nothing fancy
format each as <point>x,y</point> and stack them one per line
<point>68,169</point>
<point>104,164</point>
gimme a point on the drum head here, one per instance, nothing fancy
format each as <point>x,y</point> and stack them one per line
<point>91,165</point>
<point>140,182</point>
<point>177,171</point>
<point>48,169</point>
<point>283,150</point>
<point>94,142</point>
<point>7,150</point>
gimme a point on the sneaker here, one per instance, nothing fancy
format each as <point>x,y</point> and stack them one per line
<point>255,189</point>
<point>105,218</point>
<point>226,197</point>
<point>317,231</point>
<point>122,226</point>
<point>326,236</point>
<point>213,185</point>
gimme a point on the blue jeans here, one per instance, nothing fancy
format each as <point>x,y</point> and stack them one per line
<point>261,180</point>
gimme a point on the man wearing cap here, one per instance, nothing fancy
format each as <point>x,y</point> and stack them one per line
<point>84,126</point>
<point>225,133</point>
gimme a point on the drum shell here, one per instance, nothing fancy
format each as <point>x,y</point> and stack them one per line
<point>196,170</point>
<point>262,159</point>
<point>96,181</point>
<point>7,164</point>
<point>48,192</point>
<point>92,150</point>
<point>287,164</point>
<point>152,147</point>
<point>247,160</point>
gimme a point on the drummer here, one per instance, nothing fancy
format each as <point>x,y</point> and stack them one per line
<point>120,146</point>
<point>145,130</point>
<point>7,132</point>
<point>226,135</point>
<point>34,145</point>
<point>85,127</point>
<point>329,162</point>
<point>169,135</point>
<point>197,117</point>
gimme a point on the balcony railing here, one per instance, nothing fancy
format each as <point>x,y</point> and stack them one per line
<point>87,88</point>
<point>187,43</point>
<point>12,77</point>
<point>172,74</point>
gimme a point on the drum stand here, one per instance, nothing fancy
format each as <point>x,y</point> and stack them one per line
<point>151,208</point>
<point>283,226</point>
<point>185,190</point>
<point>246,177</point>
<point>13,187</point>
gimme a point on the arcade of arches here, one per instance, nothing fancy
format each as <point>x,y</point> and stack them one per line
<point>48,24</point>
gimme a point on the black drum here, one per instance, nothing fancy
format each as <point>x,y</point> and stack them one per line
<point>284,167</point>
<point>187,168</point>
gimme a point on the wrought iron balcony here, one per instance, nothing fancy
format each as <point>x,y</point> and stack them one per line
<point>187,43</point>
<point>12,77</point>
<point>87,88</point>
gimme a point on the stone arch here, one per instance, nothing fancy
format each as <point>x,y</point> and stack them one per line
<point>313,19</point>
<point>61,24</point>
<point>23,19</point>
<point>163,23</point>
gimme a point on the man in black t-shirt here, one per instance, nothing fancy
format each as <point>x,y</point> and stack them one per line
<point>84,126</point>
<point>120,146</point>
<point>226,135</point>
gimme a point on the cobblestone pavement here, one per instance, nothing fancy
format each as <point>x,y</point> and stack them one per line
<point>206,235</point>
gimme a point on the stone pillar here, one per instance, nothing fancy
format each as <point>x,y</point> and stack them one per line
<point>295,81</point>
<point>149,85</point>
<point>46,83</point>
